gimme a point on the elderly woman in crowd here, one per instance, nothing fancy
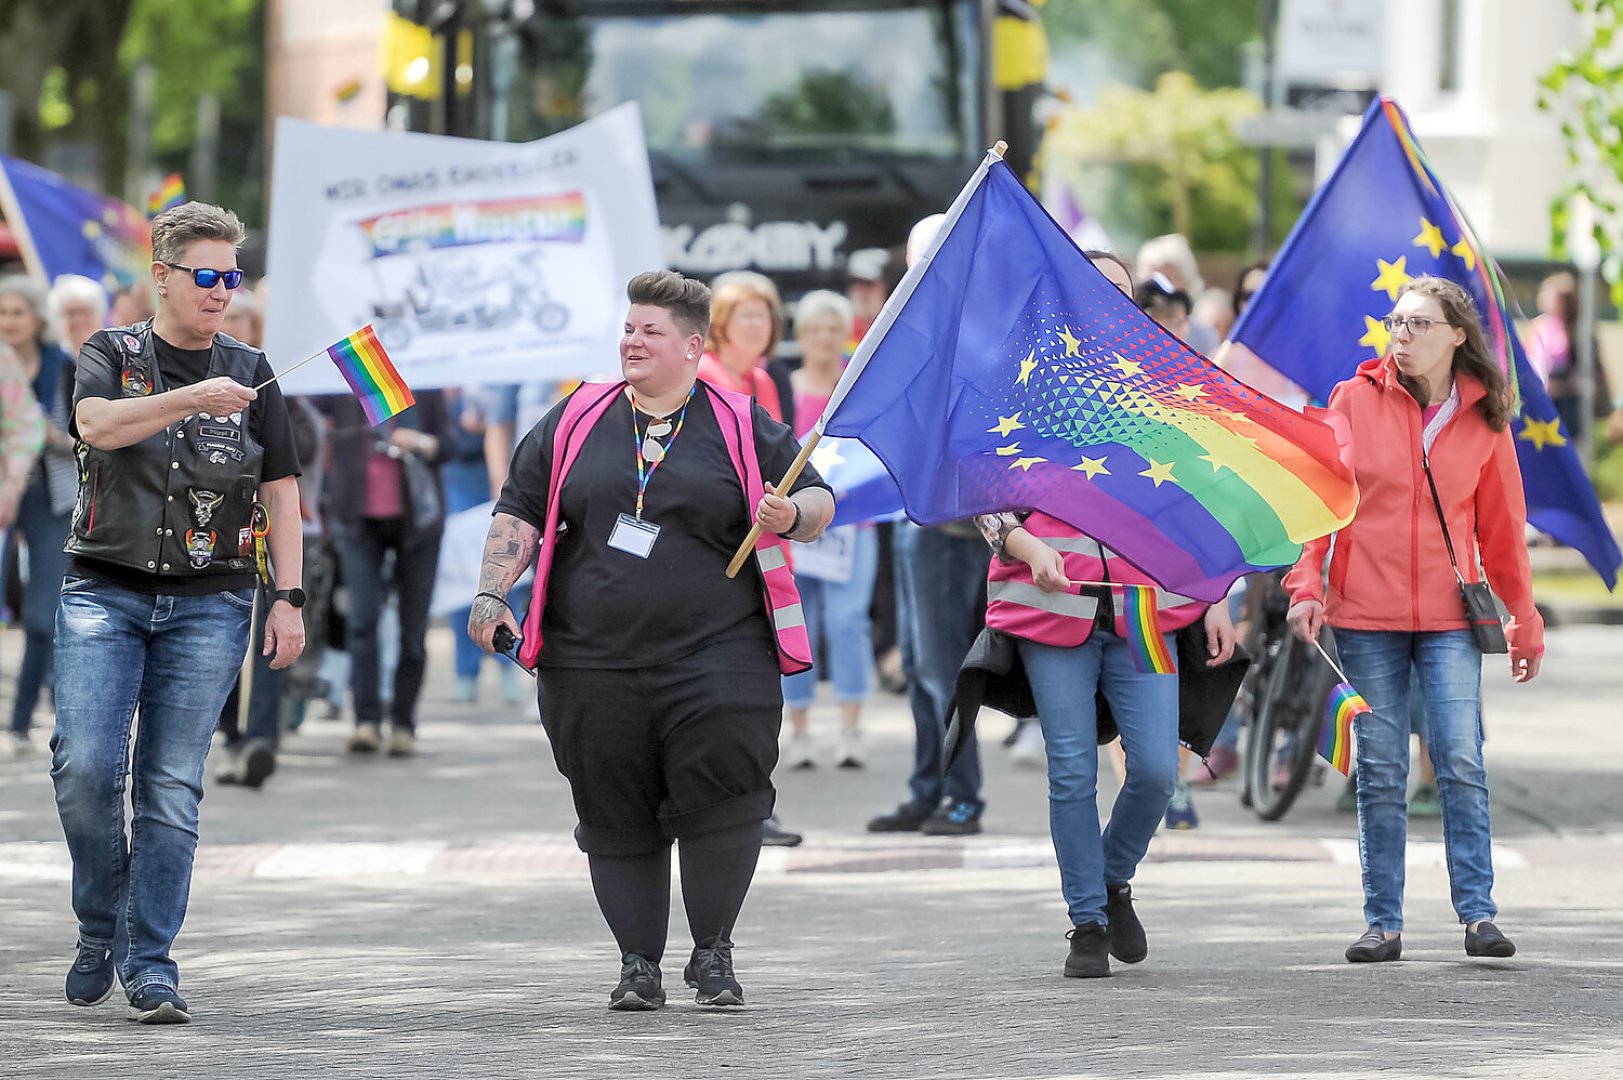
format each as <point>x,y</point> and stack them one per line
<point>42,516</point>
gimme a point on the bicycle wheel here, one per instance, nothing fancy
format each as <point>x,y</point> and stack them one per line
<point>1284,731</point>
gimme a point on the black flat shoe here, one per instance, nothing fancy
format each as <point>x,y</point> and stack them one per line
<point>1486,940</point>
<point>1375,948</point>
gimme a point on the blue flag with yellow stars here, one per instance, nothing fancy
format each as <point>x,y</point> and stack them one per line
<point>1007,373</point>
<point>1382,218</point>
<point>64,229</point>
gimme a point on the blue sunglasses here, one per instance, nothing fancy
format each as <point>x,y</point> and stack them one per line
<point>207,279</point>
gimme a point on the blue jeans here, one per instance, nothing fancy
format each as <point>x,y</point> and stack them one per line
<point>1145,705</point>
<point>44,533</point>
<point>467,484</point>
<point>837,613</point>
<point>174,659</point>
<point>938,593</point>
<point>1378,663</point>
<point>416,557</point>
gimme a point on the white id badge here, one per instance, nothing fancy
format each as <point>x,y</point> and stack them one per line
<point>633,537</point>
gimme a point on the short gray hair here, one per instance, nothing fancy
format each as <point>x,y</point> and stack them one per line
<point>71,288</point>
<point>173,231</point>
<point>817,304</point>
<point>32,294</point>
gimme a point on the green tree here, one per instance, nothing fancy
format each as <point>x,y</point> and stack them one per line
<point>1185,169</point>
<point>1203,37</point>
<point>1584,87</point>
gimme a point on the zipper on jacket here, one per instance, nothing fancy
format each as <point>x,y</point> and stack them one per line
<point>1417,449</point>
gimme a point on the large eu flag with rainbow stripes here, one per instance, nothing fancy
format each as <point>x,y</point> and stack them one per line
<point>1007,373</point>
<point>1383,217</point>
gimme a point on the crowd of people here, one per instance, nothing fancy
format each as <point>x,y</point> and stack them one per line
<point>146,489</point>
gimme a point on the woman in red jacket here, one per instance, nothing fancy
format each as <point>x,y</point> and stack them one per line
<point>1438,398</point>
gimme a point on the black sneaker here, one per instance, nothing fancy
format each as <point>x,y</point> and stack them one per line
<point>953,819</point>
<point>1127,941</point>
<point>1374,948</point>
<point>91,979</point>
<point>1487,940</point>
<point>773,834</point>
<point>156,1003</point>
<point>905,818</point>
<point>639,989</point>
<point>1090,952</point>
<point>711,973</point>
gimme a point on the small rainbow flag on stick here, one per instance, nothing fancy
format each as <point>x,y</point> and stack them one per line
<point>1144,635</point>
<point>366,367</point>
<point>167,197</point>
<point>1335,740</point>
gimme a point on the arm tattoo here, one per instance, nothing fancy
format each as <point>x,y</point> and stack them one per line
<point>510,547</point>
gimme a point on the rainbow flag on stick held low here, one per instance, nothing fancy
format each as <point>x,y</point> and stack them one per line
<point>375,382</point>
<point>1144,635</point>
<point>167,197</point>
<point>1335,740</point>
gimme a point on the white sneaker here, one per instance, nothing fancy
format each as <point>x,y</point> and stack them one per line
<point>848,752</point>
<point>21,744</point>
<point>466,690</point>
<point>800,754</point>
<point>1027,751</point>
<point>366,739</point>
<point>402,743</point>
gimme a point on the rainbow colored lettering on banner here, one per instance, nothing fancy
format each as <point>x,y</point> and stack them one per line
<point>1335,740</point>
<point>560,218</point>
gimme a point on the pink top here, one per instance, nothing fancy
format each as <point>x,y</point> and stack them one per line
<point>384,497</point>
<point>808,410</point>
<point>1427,412</point>
<point>756,383</point>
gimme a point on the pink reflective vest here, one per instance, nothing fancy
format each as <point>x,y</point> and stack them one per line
<point>582,411</point>
<point>1015,605</point>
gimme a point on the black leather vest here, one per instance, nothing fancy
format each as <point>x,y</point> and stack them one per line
<point>180,502</point>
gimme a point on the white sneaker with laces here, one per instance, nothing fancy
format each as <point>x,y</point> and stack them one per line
<point>848,753</point>
<point>800,753</point>
<point>1028,750</point>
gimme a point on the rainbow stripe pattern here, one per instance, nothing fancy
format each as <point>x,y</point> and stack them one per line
<point>557,218</point>
<point>1009,373</point>
<point>1335,740</point>
<point>170,195</point>
<point>371,376</point>
<point>1144,635</point>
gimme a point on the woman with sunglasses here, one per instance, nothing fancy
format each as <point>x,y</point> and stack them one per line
<point>182,462</point>
<point>1430,421</point>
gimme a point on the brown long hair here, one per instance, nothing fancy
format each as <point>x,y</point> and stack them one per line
<point>1471,356</point>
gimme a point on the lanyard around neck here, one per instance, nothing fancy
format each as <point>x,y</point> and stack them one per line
<point>645,467</point>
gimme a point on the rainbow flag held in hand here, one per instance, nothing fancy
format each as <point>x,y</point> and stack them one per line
<point>167,197</point>
<point>1144,635</point>
<point>372,378</point>
<point>1335,740</point>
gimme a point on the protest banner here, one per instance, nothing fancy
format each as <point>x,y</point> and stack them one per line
<point>475,262</point>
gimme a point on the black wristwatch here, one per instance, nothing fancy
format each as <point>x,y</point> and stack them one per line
<point>293,596</point>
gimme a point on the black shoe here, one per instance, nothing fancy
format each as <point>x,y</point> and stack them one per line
<point>1374,948</point>
<point>258,762</point>
<point>1090,952</point>
<point>639,989</point>
<point>711,973</point>
<point>158,1004</point>
<point>1486,940</point>
<point>91,979</point>
<point>773,834</point>
<point>905,818</point>
<point>953,819</point>
<point>1127,941</point>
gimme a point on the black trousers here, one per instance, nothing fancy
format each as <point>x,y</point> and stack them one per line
<point>416,559</point>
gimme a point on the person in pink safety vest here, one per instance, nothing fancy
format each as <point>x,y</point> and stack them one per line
<point>659,676</point>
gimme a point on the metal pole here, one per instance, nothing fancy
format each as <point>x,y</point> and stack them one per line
<point>206,150</point>
<point>1262,238</point>
<point>143,91</point>
<point>1587,281</point>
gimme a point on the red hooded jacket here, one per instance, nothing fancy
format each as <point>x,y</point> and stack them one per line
<point>1389,567</point>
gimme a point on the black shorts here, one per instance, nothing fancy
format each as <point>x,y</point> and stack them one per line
<point>680,749</point>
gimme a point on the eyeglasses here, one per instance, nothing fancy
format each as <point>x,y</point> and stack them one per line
<point>207,279</point>
<point>1417,325</point>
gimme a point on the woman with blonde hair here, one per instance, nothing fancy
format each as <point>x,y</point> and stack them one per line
<point>1439,493</point>
<point>746,324</point>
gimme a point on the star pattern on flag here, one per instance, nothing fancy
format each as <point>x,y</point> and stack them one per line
<point>1392,276</point>
<point>1128,368</point>
<point>1026,463</point>
<point>1006,424</point>
<point>1073,345</point>
<point>1027,366</point>
<point>1542,433</point>
<point>1466,253</point>
<point>1376,335</point>
<point>1092,466</point>
<point>1430,237</point>
<point>1160,472</point>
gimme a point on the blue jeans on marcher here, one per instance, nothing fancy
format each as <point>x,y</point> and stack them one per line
<point>837,613</point>
<point>174,659</point>
<point>44,532</point>
<point>1145,706</point>
<point>938,594</point>
<point>1378,664</point>
<point>467,484</point>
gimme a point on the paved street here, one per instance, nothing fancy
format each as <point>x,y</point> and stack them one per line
<point>432,918</point>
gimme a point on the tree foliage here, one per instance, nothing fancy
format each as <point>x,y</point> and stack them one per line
<point>1203,37</point>
<point>1584,87</point>
<point>1185,169</point>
